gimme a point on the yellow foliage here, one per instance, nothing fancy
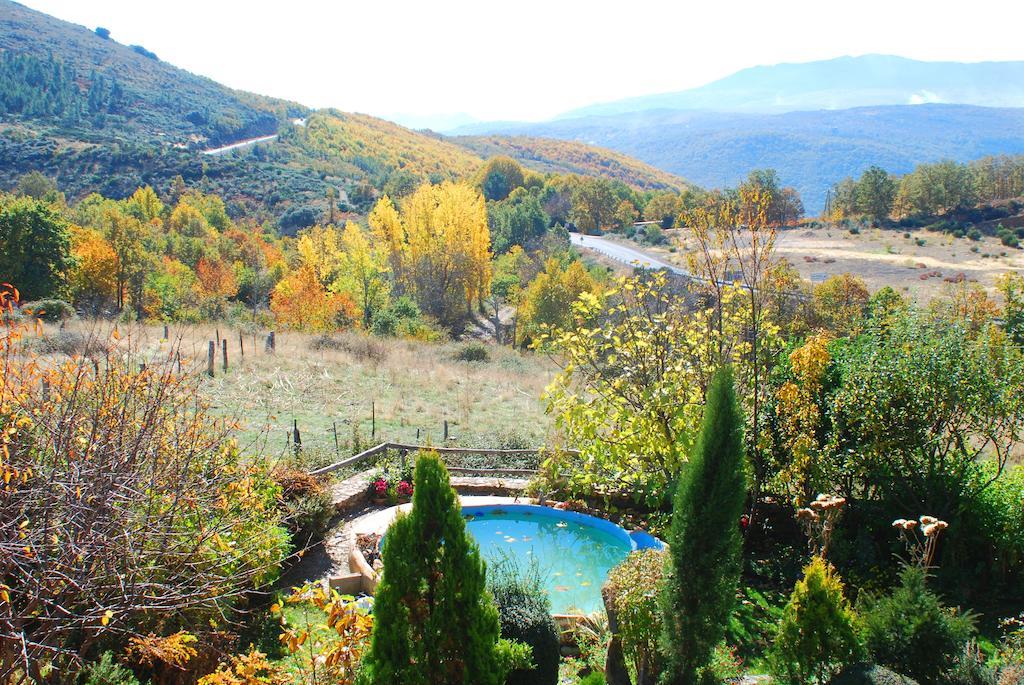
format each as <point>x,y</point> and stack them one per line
<point>248,669</point>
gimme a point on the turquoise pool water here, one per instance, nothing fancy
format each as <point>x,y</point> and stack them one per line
<point>574,552</point>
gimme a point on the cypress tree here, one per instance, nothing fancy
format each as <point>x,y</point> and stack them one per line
<point>434,623</point>
<point>704,560</point>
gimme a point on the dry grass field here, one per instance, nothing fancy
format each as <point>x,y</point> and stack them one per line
<point>918,263</point>
<point>343,380</point>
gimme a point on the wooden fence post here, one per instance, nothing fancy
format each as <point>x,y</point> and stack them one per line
<point>270,342</point>
<point>337,446</point>
<point>224,349</point>
<point>166,333</point>
<point>373,419</point>
<point>177,358</point>
<point>241,345</point>
<point>297,437</point>
<point>446,430</point>
<point>211,353</point>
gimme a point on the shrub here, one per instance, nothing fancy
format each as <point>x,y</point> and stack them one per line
<point>817,635</point>
<point>473,352</point>
<point>187,523</point>
<point>433,620</point>
<point>525,614</point>
<point>911,632</point>
<point>593,678</point>
<point>51,311</point>
<point>632,591</point>
<point>974,234</point>
<point>704,540</point>
<point>969,669</point>
<point>251,668</point>
<point>869,674</point>
<point>106,671</point>
<point>306,505</point>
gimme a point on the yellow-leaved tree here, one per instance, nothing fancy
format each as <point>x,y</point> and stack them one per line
<point>439,247</point>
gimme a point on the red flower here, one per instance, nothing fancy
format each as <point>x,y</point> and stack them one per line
<point>380,486</point>
<point>404,489</point>
<point>744,521</point>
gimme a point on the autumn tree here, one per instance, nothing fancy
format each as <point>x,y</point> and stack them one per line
<point>663,207</point>
<point>593,204</point>
<point>548,299</point>
<point>216,283</point>
<point>301,301</point>
<point>840,302</point>
<point>364,273</point>
<point>35,247</point>
<point>441,245</point>
<point>499,177</point>
<point>124,233</point>
<point>94,278</point>
<point>625,214</point>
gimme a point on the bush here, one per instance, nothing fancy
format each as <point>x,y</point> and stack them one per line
<point>818,633</point>
<point>911,632</point>
<point>51,311</point>
<point>525,613</point>
<point>593,678</point>
<point>974,234</point>
<point>473,352</point>
<point>632,591</point>
<point>106,671</point>
<point>869,674</point>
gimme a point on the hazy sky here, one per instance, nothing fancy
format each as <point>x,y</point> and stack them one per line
<point>528,59</point>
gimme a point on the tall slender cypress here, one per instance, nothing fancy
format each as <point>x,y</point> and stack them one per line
<point>434,622</point>
<point>705,557</point>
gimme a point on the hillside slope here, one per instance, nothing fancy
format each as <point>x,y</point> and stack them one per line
<point>840,83</point>
<point>59,73</point>
<point>98,116</point>
<point>572,157</point>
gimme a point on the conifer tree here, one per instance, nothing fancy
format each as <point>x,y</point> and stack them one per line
<point>705,546</point>
<point>434,623</point>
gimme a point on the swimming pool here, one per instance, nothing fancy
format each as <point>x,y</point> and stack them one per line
<point>573,551</point>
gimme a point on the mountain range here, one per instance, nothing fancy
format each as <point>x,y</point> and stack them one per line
<point>815,123</point>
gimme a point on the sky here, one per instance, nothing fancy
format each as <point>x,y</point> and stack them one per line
<point>531,59</point>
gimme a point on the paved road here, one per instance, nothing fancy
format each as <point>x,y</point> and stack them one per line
<point>240,144</point>
<point>622,253</point>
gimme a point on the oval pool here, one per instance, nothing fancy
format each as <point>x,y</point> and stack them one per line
<point>574,552</point>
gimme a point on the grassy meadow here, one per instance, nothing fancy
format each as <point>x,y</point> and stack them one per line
<point>343,381</point>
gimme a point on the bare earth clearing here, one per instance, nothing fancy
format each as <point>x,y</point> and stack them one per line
<point>880,256</point>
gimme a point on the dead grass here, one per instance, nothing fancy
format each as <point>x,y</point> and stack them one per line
<point>342,380</point>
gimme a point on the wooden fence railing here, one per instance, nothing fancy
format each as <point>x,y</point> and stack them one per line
<point>403,449</point>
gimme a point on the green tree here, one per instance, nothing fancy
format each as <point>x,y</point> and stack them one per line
<point>517,220</point>
<point>704,540</point>
<point>35,247</point>
<point>817,636</point>
<point>499,177</point>
<point>434,623</point>
<point>874,194</point>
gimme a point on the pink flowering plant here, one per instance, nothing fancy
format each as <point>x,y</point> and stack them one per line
<point>392,483</point>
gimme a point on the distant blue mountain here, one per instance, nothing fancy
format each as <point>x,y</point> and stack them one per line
<point>811,150</point>
<point>839,83</point>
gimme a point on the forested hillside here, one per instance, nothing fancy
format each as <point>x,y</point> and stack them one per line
<point>98,116</point>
